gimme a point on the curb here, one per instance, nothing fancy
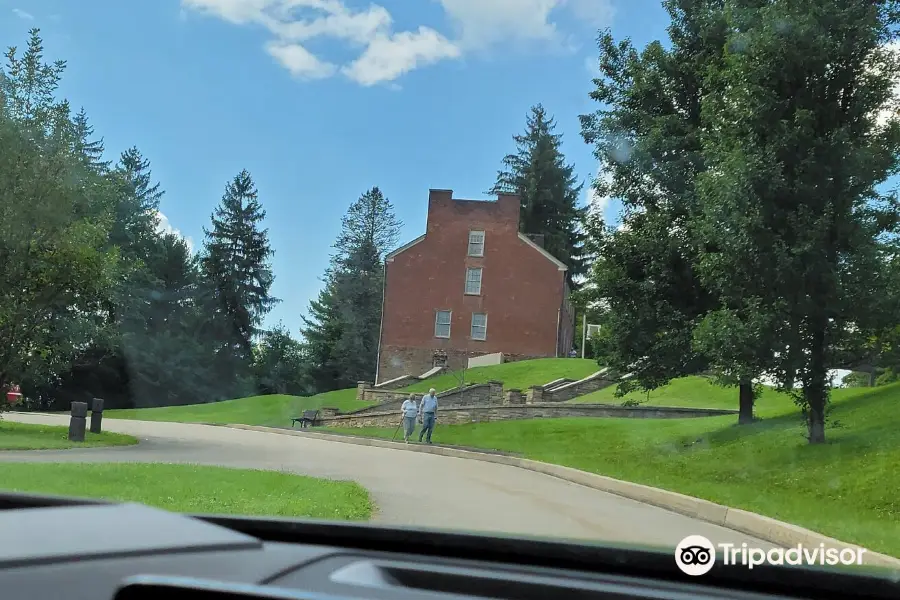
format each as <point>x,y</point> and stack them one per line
<point>768,529</point>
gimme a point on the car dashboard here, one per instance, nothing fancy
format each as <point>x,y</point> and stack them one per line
<point>86,550</point>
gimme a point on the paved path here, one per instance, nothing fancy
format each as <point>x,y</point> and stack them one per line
<point>409,488</point>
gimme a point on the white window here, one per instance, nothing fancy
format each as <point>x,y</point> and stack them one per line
<point>479,326</point>
<point>442,324</point>
<point>476,243</point>
<point>473,281</point>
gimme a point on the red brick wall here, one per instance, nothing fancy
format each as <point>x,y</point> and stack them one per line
<point>521,291</point>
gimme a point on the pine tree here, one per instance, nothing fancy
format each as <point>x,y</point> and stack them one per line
<point>549,191</point>
<point>138,209</point>
<point>342,333</point>
<point>168,356</point>
<point>236,265</point>
<point>321,332</point>
<point>85,146</point>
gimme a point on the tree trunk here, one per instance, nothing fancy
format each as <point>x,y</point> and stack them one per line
<point>745,395</point>
<point>815,422</point>
<point>815,388</point>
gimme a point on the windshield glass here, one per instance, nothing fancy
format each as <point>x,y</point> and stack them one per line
<point>606,271</point>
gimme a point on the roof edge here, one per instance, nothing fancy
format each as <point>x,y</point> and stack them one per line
<point>390,256</point>
<point>559,264</point>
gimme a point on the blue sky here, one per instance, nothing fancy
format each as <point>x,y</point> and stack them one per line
<point>323,99</point>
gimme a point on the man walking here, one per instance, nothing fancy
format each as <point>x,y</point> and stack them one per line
<point>409,409</point>
<point>428,410</point>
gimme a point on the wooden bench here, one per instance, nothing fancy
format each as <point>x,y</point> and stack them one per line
<point>309,418</point>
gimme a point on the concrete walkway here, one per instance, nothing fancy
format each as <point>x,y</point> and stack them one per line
<point>409,488</point>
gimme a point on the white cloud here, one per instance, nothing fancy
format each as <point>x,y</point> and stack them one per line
<point>480,23</point>
<point>164,226</point>
<point>388,57</point>
<point>300,61</point>
<point>387,54</point>
<point>22,14</point>
<point>339,23</point>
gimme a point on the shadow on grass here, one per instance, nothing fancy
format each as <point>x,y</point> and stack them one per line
<point>845,426</point>
<point>735,432</point>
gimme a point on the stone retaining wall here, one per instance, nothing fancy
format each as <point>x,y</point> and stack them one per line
<point>515,410</point>
<point>483,394</point>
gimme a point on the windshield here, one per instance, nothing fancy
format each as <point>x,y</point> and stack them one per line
<point>606,271</point>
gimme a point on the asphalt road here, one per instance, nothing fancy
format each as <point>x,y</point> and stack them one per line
<point>409,488</point>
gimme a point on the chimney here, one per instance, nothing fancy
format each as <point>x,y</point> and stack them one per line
<point>510,205</point>
<point>437,199</point>
<point>537,238</point>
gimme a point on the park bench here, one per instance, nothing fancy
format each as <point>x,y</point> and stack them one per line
<point>309,418</point>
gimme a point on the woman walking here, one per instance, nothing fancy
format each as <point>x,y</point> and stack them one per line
<point>409,409</point>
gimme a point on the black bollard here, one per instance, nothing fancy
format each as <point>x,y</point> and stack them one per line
<point>96,415</point>
<point>78,421</point>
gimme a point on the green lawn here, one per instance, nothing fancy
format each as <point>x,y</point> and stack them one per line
<point>847,489</point>
<point>697,392</point>
<point>25,436</point>
<point>196,489</point>
<point>275,410</point>
<point>514,375</point>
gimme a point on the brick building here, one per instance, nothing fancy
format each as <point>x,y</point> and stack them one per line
<point>471,285</point>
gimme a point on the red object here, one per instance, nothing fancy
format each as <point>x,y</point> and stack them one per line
<point>13,395</point>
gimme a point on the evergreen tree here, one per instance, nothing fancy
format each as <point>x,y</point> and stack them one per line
<point>168,351</point>
<point>236,265</point>
<point>137,219</point>
<point>341,334</point>
<point>548,188</point>
<point>89,149</point>
<point>321,332</point>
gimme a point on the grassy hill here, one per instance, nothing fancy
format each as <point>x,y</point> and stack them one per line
<point>276,410</point>
<point>693,392</point>
<point>846,488</point>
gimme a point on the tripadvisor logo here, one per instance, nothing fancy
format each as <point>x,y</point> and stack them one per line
<point>695,555</point>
